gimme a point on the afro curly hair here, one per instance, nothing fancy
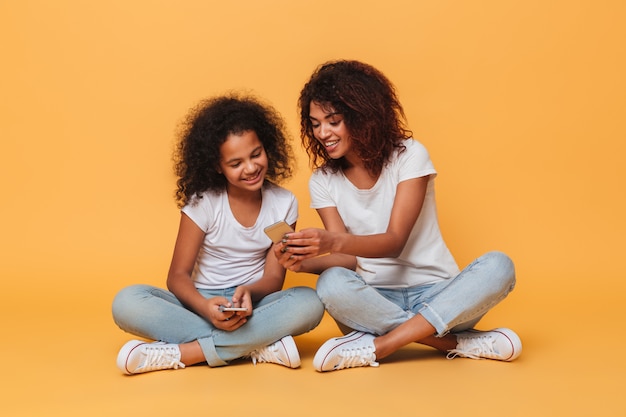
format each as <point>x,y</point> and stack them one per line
<point>206,128</point>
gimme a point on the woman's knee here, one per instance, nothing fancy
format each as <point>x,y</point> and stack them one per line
<point>330,281</point>
<point>503,269</point>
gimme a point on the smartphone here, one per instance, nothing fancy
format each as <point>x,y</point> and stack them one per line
<point>277,230</point>
<point>223,308</point>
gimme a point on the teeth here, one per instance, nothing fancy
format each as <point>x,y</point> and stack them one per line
<point>329,144</point>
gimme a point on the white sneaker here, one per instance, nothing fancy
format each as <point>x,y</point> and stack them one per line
<point>136,357</point>
<point>501,344</point>
<point>283,352</point>
<point>350,351</point>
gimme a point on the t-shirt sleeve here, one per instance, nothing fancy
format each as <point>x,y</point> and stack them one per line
<point>414,162</point>
<point>319,190</point>
<point>199,210</point>
<point>292,211</point>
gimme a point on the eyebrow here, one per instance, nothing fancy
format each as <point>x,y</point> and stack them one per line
<point>230,161</point>
<point>328,116</point>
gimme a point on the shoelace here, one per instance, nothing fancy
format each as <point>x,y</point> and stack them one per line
<point>361,356</point>
<point>476,347</point>
<point>266,354</point>
<point>161,357</point>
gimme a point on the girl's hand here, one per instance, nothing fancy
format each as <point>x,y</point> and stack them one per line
<point>225,320</point>
<point>243,298</point>
<point>286,259</point>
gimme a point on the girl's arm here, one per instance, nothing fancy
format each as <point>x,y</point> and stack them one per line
<point>179,281</point>
<point>310,243</point>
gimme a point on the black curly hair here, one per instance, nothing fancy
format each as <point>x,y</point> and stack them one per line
<point>205,129</point>
<point>371,112</point>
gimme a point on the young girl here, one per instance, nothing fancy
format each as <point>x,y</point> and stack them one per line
<point>374,191</point>
<point>232,151</point>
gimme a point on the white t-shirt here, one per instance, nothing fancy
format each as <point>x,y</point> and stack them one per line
<point>425,258</point>
<point>231,254</point>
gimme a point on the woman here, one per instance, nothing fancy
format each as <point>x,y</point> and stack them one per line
<point>388,278</point>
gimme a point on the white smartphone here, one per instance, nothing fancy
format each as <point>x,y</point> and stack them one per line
<point>223,308</point>
<point>277,230</point>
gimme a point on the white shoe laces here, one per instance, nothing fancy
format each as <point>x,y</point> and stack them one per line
<point>266,354</point>
<point>474,347</point>
<point>161,357</point>
<point>360,356</point>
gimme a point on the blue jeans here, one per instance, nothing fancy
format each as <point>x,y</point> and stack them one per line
<point>452,305</point>
<point>156,314</point>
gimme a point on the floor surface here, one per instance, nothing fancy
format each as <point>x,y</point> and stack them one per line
<point>63,363</point>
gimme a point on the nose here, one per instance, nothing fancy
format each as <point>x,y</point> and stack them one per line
<point>249,166</point>
<point>323,131</point>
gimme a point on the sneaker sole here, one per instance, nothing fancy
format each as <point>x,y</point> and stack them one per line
<point>292,351</point>
<point>322,353</point>
<point>122,357</point>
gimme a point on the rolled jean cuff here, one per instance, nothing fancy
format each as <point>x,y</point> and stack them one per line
<point>435,320</point>
<point>210,353</point>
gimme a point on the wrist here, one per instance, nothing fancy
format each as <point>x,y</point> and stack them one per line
<point>340,242</point>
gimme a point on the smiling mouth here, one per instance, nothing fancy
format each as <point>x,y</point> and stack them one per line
<point>253,178</point>
<point>331,143</point>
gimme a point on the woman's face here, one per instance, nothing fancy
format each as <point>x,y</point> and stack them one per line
<point>243,161</point>
<point>330,130</point>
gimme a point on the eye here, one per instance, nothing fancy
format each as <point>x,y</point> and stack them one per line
<point>335,121</point>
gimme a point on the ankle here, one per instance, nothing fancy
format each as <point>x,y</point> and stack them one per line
<point>191,353</point>
<point>382,348</point>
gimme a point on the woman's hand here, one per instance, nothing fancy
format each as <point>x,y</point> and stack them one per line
<point>312,251</point>
<point>304,244</point>
<point>309,243</point>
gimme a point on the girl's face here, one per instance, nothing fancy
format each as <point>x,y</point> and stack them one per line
<point>330,130</point>
<point>243,161</point>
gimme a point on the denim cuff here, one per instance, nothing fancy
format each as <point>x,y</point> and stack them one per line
<point>435,320</point>
<point>210,353</point>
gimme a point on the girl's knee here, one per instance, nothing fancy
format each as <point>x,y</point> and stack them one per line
<point>127,297</point>
<point>309,307</point>
<point>308,298</point>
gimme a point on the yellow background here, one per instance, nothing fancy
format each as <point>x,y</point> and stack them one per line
<point>521,104</point>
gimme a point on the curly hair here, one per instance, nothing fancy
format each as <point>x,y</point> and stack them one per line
<point>206,127</point>
<point>370,107</point>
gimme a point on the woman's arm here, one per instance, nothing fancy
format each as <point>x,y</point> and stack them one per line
<point>310,243</point>
<point>332,221</point>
